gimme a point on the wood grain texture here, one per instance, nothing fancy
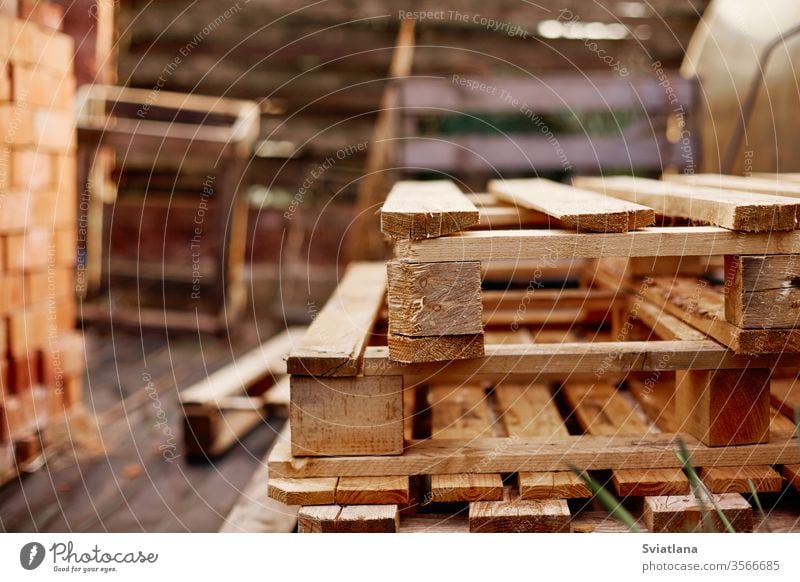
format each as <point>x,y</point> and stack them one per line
<point>735,479</point>
<point>348,519</point>
<point>762,291</point>
<point>528,411</point>
<point>519,516</point>
<point>551,485</point>
<point>335,341</point>
<point>774,185</point>
<point>673,241</point>
<point>433,299</point>
<point>320,491</point>
<point>724,407</point>
<point>372,491</point>
<point>508,455</point>
<point>420,210</point>
<point>682,513</point>
<point>785,396</point>
<point>466,487</point>
<point>442,348</point>
<point>792,474</point>
<point>583,210</point>
<point>730,209</point>
<point>650,482</point>
<point>346,416</point>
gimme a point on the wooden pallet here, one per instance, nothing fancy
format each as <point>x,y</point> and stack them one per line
<point>232,401</point>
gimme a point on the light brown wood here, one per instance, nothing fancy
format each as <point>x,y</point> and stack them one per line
<point>785,395</point>
<point>443,348</point>
<point>319,491</point>
<point>650,482</point>
<point>348,519</point>
<point>735,479</point>
<point>762,291</point>
<point>466,487</point>
<point>774,185</point>
<point>462,412</point>
<point>519,515</point>
<point>518,245</point>
<point>724,407</point>
<point>372,491</point>
<point>421,210</point>
<point>563,360</point>
<point>792,474</point>
<point>346,416</point>
<point>583,210</point>
<point>433,299</point>
<point>507,455</point>
<point>682,513</point>
<point>528,411</point>
<point>335,341</point>
<point>730,209</point>
<point>551,485</point>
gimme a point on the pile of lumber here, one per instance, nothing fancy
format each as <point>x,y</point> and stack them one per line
<point>421,384</point>
<point>41,369</point>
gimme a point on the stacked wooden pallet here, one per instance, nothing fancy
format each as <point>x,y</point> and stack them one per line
<point>423,387</point>
<point>42,365</point>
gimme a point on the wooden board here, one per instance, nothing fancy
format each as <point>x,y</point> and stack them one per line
<point>507,455</point>
<point>730,209</point>
<point>551,485</point>
<point>682,513</point>
<point>348,519</point>
<point>583,210</point>
<point>347,416</point>
<point>433,299</point>
<point>372,491</point>
<point>440,348</point>
<point>320,491</point>
<point>420,210</point>
<point>517,245</point>
<point>735,479</point>
<point>774,186</point>
<point>519,515</point>
<point>335,340</point>
<point>462,412</point>
<point>762,291</point>
<point>785,393</point>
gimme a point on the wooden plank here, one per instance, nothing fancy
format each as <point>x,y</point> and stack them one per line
<point>319,491</point>
<point>682,513</point>
<point>346,416</point>
<point>421,210</point>
<point>567,359</point>
<point>673,241</point>
<point>445,348</point>
<point>735,479</point>
<point>507,455</point>
<point>335,340</point>
<point>583,210</point>
<point>466,487</point>
<point>372,491</point>
<point>792,474</point>
<point>551,485</point>
<point>726,208</point>
<point>348,519</point>
<point>762,291</point>
<point>724,407</point>
<point>774,185</point>
<point>462,412</point>
<point>519,515</point>
<point>433,299</point>
<point>601,410</point>
<point>785,395</point>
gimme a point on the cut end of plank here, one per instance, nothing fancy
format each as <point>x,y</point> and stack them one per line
<point>444,348</point>
<point>421,210</point>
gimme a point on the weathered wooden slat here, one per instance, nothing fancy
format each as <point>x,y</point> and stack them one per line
<point>762,291</point>
<point>583,210</point>
<point>348,519</point>
<point>683,513</point>
<point>730,209</point>
<point>335,341</point>
<point>519,515</point>
<point>735,479</point>
<point>421,210</point>
<point>774,185</point>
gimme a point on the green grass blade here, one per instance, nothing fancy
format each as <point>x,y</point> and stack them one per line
<point>700,490</point>
<point>758,505</point>
<point>607,500</point>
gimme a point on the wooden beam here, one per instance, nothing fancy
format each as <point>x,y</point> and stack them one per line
<point>785,394</point>
<point>440,348</point>
<point>683,513</point>
<point>735,479</point>
<point>346,416</point>
<point>506,455</point>
<point>372,491</point>
<point>762,291</point>
<point>335,341</point>
<point>319,491</point>
<point>726,208</point>
<point>792,474</point>
<point>421,210</point>
<point>673,241</point>
<point>348,519</point>
<point>466,487</point>
<point>519,515</point>
<point>583,210</point>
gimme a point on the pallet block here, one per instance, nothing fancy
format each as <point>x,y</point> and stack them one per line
<point>683,513</point>
<point>762,291</point>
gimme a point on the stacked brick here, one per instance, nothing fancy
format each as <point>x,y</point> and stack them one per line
<point>41,354</point>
